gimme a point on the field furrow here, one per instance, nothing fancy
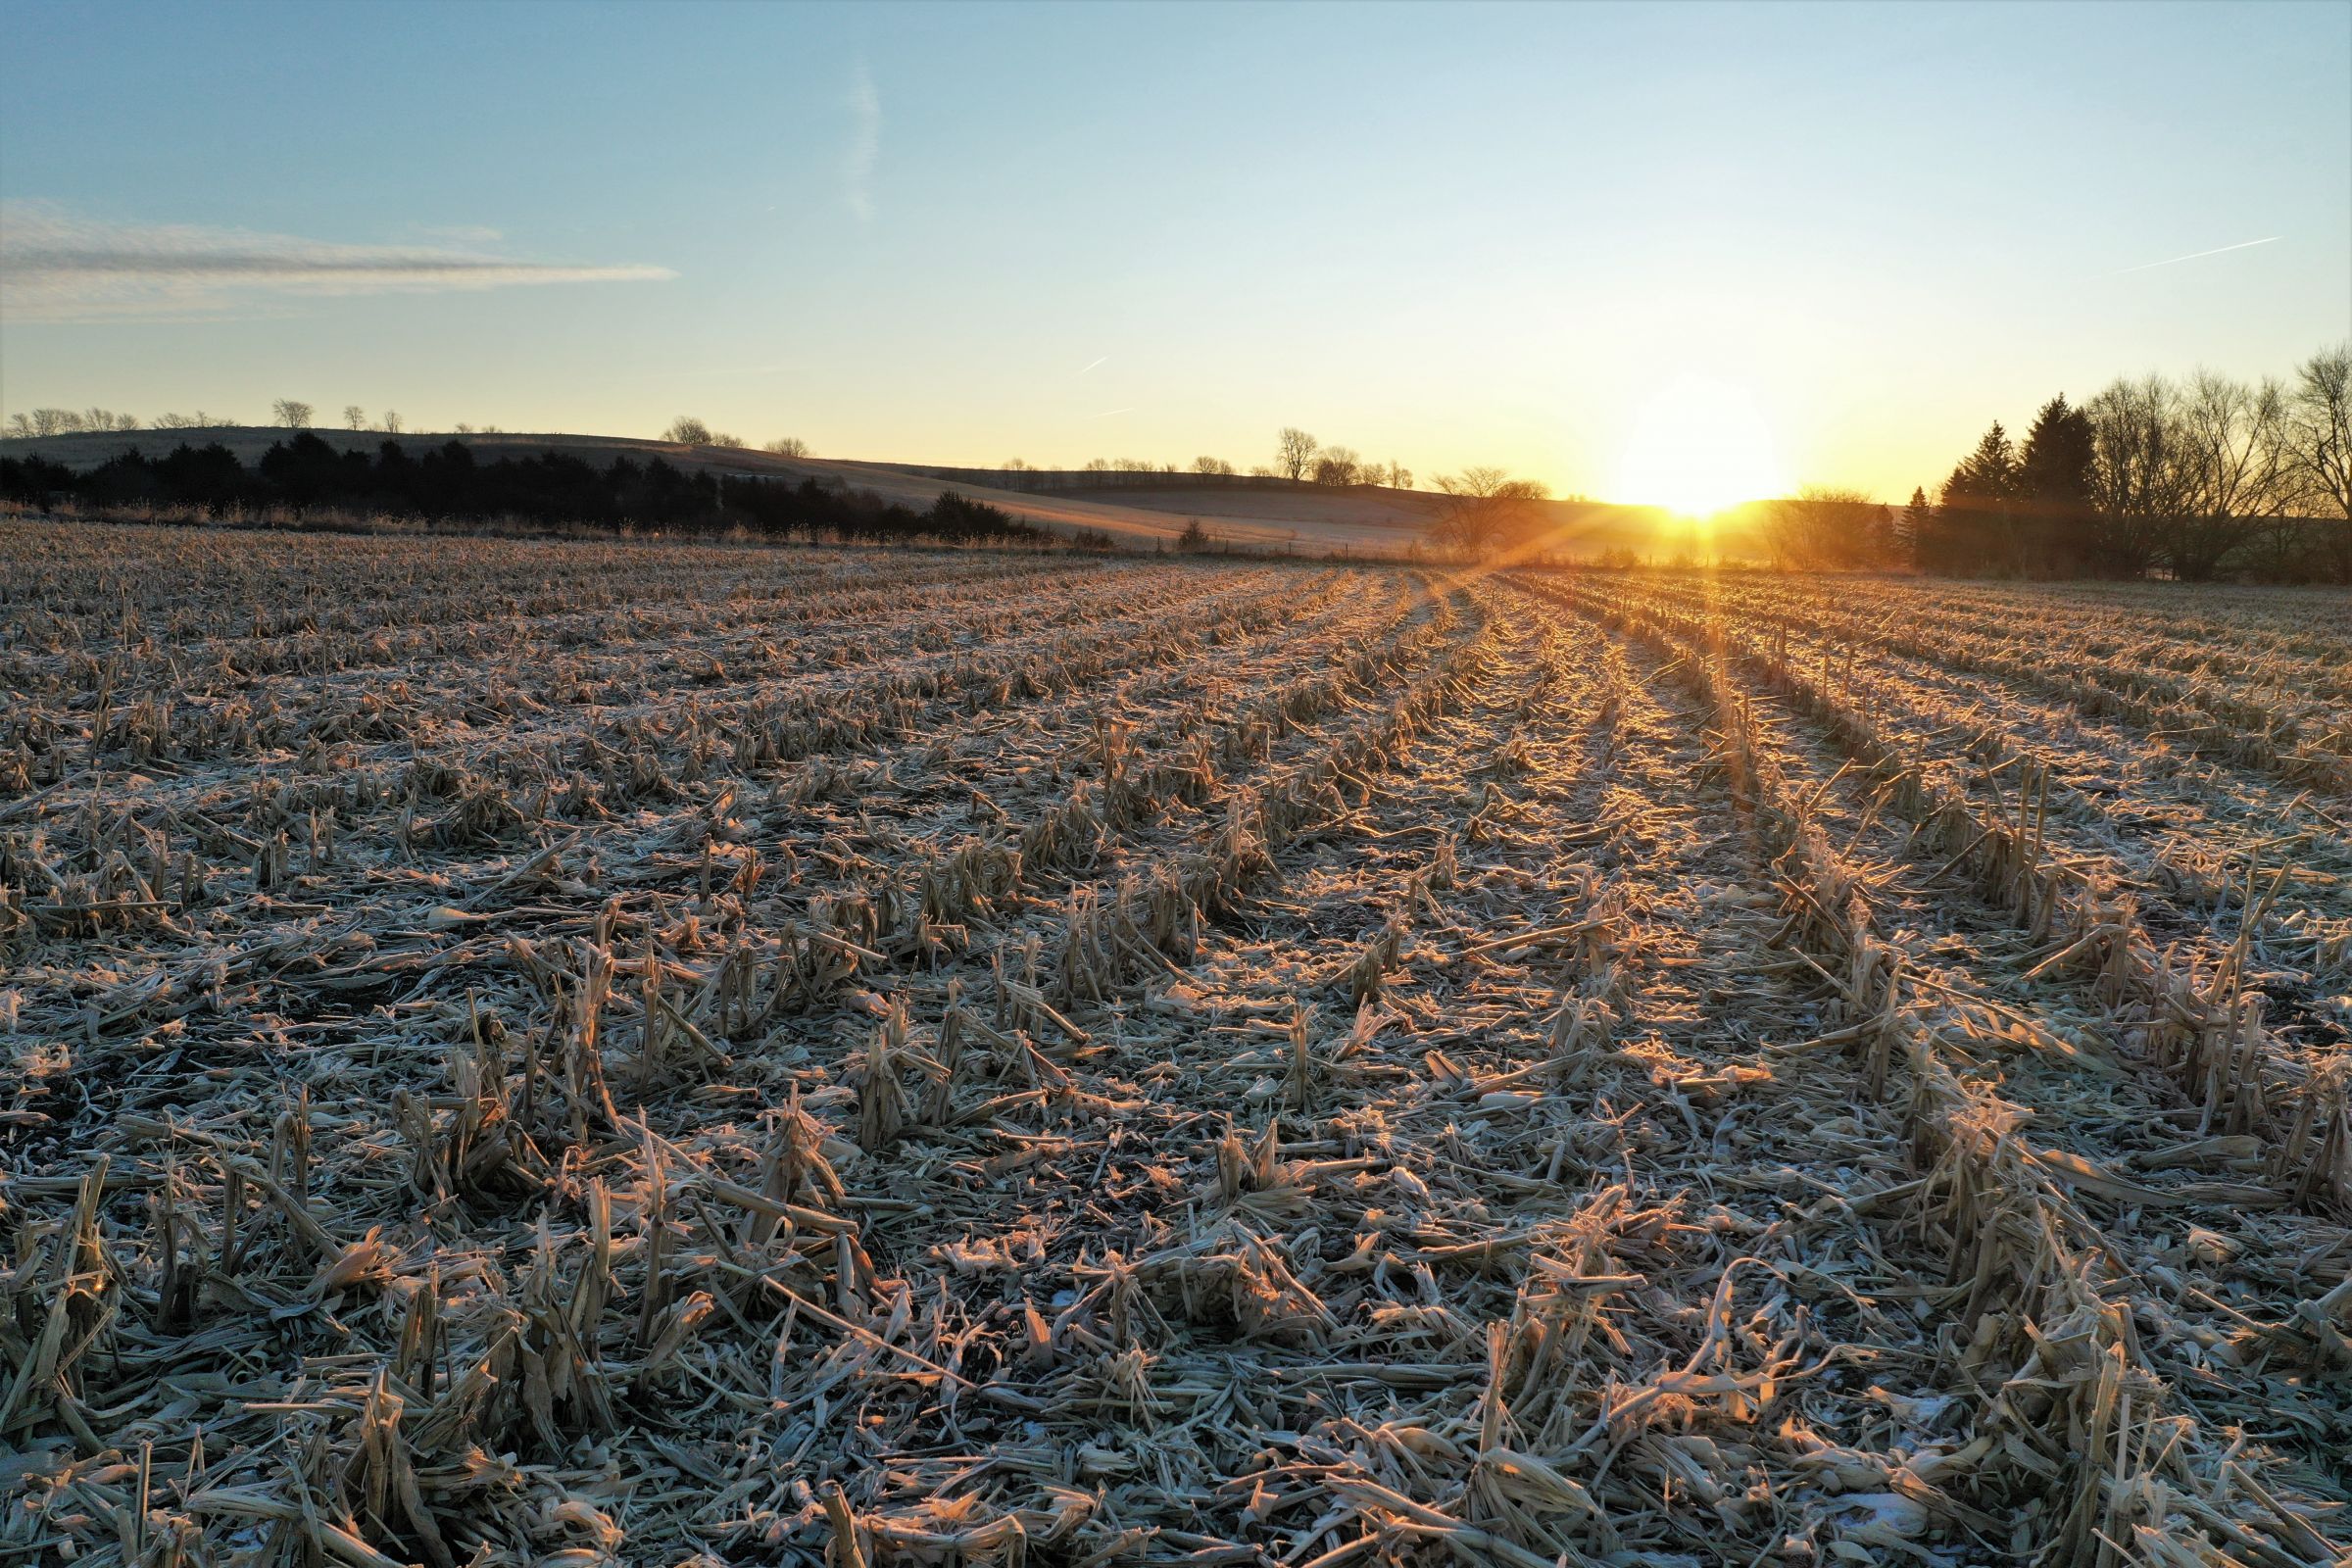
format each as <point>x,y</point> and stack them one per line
<point>2198,846</point>
<point>641,1054</point>
<point>2051,1143</point>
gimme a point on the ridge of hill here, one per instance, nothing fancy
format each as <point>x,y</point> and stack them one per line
<point>1133,509</point>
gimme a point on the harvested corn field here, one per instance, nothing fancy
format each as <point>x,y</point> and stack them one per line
<point>532,1053</point>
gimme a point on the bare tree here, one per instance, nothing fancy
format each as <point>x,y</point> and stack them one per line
<point>1822,527</point>
<point>1338,465</point>
<point>2188,476</point>
<point>19,425</point>
<point>294,415</point>
<point>1212,466</point>
<point>688,430</point>
<point>2319,445</point>
<point>2137,485</point>
<point>1294,453</point>
<point>55,421</point>
<point>1018,465</point>
<point>354,418</point>
<point>719,438</point>
<point>391,422</point>
<point>1488,512</point>
<point>2233,470</point>
<point>462,429</point>
<point>787,446</point>
<point>1396,476</point>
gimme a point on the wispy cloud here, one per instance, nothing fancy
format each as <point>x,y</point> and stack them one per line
<point>865,143</point>
<point>2195,256</point>
<point>57,267</point>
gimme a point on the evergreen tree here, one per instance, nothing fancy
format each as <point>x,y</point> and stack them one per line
<point>1973,532</point>
<point>2053,480</point>
<point>1917,522</point>
<point>1882,535</point>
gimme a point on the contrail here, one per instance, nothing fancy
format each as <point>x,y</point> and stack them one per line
<point>2193,256</point>
<point>1107,413</point>
<point>1098,362</point>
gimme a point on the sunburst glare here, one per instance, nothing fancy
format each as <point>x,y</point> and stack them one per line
<point>1699,445</point>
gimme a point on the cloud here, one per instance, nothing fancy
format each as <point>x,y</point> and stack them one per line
<point>866,144</point>
<point>56,266</point>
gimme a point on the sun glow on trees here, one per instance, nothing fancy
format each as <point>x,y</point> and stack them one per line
<point>1697,447</point>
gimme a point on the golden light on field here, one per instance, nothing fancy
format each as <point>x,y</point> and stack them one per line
<point>1697,447</point>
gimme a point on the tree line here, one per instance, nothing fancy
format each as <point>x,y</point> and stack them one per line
<point>307,479</point>
<point>287,413</point>
<point>2197,478</point>
<point>687,430</point>
<point>1298,456</point>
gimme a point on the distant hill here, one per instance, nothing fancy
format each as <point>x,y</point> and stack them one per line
<point>1131,508</point>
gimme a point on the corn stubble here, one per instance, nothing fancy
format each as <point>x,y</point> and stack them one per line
<point>608,1054</point>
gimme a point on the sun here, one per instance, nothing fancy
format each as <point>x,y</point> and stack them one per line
<point>1697,447</point>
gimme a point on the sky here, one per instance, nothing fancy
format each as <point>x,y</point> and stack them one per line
<point>1558,239</point>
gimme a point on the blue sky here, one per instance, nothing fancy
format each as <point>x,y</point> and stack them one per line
<point>967,233</point>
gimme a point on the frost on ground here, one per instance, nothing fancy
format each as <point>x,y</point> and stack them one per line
<point>577,1054</point>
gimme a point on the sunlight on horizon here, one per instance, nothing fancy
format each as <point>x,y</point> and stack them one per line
<point>1697,447</point>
